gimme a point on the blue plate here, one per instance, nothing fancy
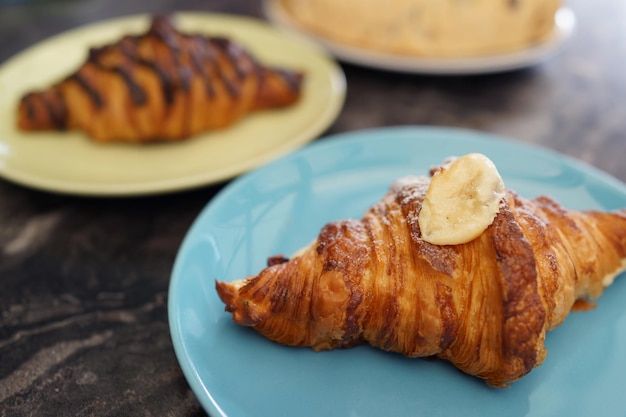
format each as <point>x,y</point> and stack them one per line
<point>281,207</point>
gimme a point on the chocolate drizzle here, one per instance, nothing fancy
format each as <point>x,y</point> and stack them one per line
<point>58,110</point>
<point>163,30</point>
<point>167,83</point>
<point>233,54</point>
<point>221,44</point>
<point>196,56</point>
<point>137,94</point>
<point>53,103</point>
<point>93,94</point>
<point>293,79</point>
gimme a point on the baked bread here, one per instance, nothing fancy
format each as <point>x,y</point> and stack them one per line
<point>428,28</point>
<point>161,85</point>
<point>484,305</point>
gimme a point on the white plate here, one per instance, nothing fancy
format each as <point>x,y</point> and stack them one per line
<point>70,162</point>
<point>564,20</point>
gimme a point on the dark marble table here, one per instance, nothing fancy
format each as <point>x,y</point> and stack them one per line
<point>83,281</point>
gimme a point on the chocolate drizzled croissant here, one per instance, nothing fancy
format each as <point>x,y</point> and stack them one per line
<point>485,305</point>
<point>161,85</point>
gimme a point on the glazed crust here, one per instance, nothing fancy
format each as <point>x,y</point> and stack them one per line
<point>485,305</point>
<point>161,85</point>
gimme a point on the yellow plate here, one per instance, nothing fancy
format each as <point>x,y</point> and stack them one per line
<point>70,162</point>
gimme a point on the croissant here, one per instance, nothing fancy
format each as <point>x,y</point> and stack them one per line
<point>485,305</point>
<point>161,85</point>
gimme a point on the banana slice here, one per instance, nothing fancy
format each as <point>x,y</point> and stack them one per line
<point>462,200</point>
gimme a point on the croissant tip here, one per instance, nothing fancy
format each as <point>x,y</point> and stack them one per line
<point>226,292</point>
<point>245,312</point>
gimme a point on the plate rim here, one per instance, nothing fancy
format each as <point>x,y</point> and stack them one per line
<point>332,109</point>
<point>198,387</point>
<point>565,24</point>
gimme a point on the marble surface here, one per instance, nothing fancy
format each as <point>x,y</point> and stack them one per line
<point>83,281</point>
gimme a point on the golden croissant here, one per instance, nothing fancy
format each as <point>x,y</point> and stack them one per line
<point>485,305</point>
<point>161,85</point>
